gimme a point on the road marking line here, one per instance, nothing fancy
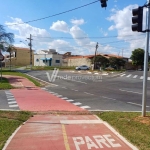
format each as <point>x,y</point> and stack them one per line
<point>55,94</point>
<point>66,142</point>
<point>70,100</point>
<point>14,102</point>
<point>135,76</point>
<point>11,96</point>
<point>141,77</point>
<point>84,107</point>
<point>128,75</point>
<point>81,121</point>
<point>130,91</point>
<point>13,105</point>
<point>74,89</point>
<point>88,93</point>
<point>122,75</point>
<point>59,95</point>
<point>64,98</point>
<point>75,81</point>
<point>51,92</point>
<point>109,98</point>
<point>10,99</point>
<point>136,104</point>
<point>64,87</point>
<point>77,103</point>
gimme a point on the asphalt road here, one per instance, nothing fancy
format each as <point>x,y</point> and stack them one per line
<point>114,92</point>
<point>7,101</point>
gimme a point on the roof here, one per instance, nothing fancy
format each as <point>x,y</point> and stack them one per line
<point>22,48</point>
<point>91,56</point>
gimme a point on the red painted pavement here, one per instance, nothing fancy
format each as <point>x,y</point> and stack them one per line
<point>36,99</point>
<point>45,132</point>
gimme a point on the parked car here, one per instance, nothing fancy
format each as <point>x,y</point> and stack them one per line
<point>83,67</point>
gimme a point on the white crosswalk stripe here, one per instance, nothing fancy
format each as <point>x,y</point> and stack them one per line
<point>122,75</point>
<point>141,77</point>
<point>128,75</point>
<point>135,76</point>
<point>77,103</point>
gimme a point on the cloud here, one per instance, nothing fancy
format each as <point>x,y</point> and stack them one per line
<point>122,24</point>
<point>60,26</point>
<point>77,22</point>
<point>24,30</point>
<point>64,46</point>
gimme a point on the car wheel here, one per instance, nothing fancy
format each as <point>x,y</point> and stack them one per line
<point>79,69</point>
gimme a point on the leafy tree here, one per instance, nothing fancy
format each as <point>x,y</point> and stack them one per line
<point>10,50</point>
<point>103,60</point>
<point>5,38</point>
<point>116,62</point>
<point>137,57</point>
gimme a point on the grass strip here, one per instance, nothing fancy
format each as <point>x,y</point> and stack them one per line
<point>4,84</point>
<point>131,125</point>
<point>22,75</point>
<point>9,122</point>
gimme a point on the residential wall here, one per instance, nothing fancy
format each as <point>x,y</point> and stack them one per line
<point>38,60</point>
<point>79,62</point>
<point>22,58</point>
<point>55,59</point>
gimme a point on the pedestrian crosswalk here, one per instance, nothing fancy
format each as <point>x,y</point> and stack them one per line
<point>133,76</point>
<point>11,100</point>
<point>67,99</point>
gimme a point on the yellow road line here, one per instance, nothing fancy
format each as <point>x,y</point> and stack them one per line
<point>65,137</point>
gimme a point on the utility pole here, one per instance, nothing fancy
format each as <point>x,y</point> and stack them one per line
<point>30,44</point>
<point>144,96</point>
<point>95,55</point>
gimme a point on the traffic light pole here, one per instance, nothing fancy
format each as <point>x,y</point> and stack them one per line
<point>144,96</point>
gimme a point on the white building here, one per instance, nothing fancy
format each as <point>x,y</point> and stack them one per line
<point>48,58</point>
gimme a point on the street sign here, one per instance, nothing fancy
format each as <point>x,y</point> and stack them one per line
<point>1,57</point>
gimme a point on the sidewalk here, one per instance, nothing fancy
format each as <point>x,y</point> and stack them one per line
<point>61,126</point>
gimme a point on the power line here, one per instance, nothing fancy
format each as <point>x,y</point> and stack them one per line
<point>83,37</point>
<point>56,14</point>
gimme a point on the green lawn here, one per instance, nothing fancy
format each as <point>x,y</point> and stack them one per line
<point>9,122</point>
<point>4,84</point>
<point>131,125</point>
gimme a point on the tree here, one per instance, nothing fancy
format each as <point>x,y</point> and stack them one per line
<point>5,38</point>
<point>102,60</point>
<point>10,50</point>
<point>116,62</point>
<point>137,57</point>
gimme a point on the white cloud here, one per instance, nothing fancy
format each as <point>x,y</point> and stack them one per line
<point>60,26</point>
<point>24,30</point>
<point>122,23</point>
<point>77,22</point>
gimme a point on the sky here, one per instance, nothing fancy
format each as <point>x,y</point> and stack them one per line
<point>76,31</point>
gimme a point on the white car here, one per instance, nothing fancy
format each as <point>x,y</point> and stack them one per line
<point>83,67</point>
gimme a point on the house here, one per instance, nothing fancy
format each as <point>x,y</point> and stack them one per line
<point>19,57</point>
<point>87,60</point>
<point>48,58</point>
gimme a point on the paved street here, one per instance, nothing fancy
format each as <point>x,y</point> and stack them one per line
<point>7,101</point>
<point>120,93</point>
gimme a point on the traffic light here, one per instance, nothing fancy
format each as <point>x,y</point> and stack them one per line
<point>137,19</point>
<point>103,3</point>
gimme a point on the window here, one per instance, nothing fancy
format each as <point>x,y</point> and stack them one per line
<point>57,61</point>
<point>37,60</point>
